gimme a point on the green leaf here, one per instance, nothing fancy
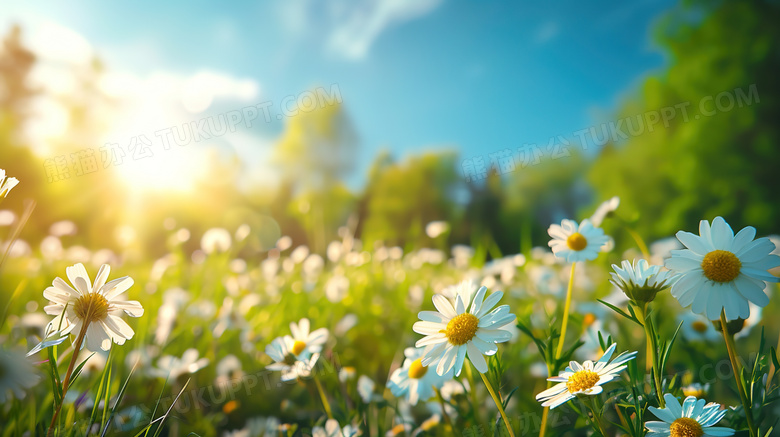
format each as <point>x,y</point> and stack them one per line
<point>77,371</point>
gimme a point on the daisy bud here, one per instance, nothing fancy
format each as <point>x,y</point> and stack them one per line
<point>640,281</point>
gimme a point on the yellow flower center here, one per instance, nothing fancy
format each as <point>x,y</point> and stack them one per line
<point>699,326</point>
<point>721,266</point>
<point>462,328</point>
<point>582,380</point>
<point>417,370</point>
<point>589,319</point>
<point>398,429</point>
<point>91,307</point>
<point>686,427</point>
<point>298,347</point>
<point>695,392</point>
<point>577,241</point>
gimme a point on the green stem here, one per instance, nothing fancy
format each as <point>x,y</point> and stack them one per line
<point>66,381</point>
<point>499,405</point>
<point>546,411</point>
<point>652,354</point>
<point>732,350</point>
<point>639,242</point>
<point>444,411</point>
<point>566,309</point>
<point>596,419</point>
<point>324,398</point>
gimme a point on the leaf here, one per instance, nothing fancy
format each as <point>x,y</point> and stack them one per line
<point>46,344</point>
<point>119,398</point>
<point>621,312</point>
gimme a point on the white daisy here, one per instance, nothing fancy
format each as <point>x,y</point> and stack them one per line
<point>584,379</point>
<point>639,280</point>
<point>333,429</point>
<point>413,380</point>
<point>604,210</point>
<point>697,328</point>
<point>719,270</point>
<point>16,376</point>
<point>465,289</point>
<point>696,390</point>
<point>692,418</point>
<point>304,341</point>
<point>172,367</point>
<point>6,184</point>
<point>291,365</point>
<point>95,305</point>
<point>365,388</point>
<point>452,332</point>
<point>573,242</point>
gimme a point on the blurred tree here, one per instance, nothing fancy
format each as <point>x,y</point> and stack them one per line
<point>402,198</point>
<point>718,153</point>
<point>317,149</point>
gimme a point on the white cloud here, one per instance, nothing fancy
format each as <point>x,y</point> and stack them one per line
<point>349,28</point>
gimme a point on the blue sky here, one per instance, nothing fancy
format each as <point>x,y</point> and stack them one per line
<point>414,75</point>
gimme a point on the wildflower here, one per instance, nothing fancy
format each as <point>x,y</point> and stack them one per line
<point>365,388</point>
<point>720,271</point>
<point>604,210</point>
<point>6,184</point>
<point>347,373</point>
<point>639,281</point>
<point>696,390</point>
<point>584,379</point>
<point>332,429</point>
<point>692,418</point>
<point>573,242</point>
<point>291,365</point>
<point>216,240</point>
<point>93,307</point>
<point>304,340</point>
<point>437,228</point>
<point>16,376</point>
<point>414,380</point>
<point>451,332</point>
<point>174,367</point>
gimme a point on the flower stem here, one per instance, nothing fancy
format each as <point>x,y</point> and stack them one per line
<point>652,354</point>
<point>444,411</point>
<point>732,350</point>
<point>596,419</point>
<point>546,411</point>
<point>66,381</point>
<point>566,309</point>
<point>324,398</point>
<point>498,404</point>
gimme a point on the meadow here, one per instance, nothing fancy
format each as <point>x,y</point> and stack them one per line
<point>210,353</point>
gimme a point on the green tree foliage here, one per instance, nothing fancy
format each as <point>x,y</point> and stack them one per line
<point>402,197</point>
<point>712,158</point>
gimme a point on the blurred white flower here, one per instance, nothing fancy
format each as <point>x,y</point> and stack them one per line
<point>16,376</point>
<point>303,341</point>
<point>333,429</point>
<point>604,210</point>
<point>172,367</point>
<point>51,248</point>
<point>63,228</point>
<point>78,254</point>
<point>336,288</point>
<point>215,240</point>
<point>427,425</point>
<point>461,255</point>
<point>284,243</point>
<point>291,365</point>
<point>7,218</point>
<point>229,369</point>
<point>365,388</point>
<point>345,324</point>
<point>413,380</point>
<point>334,251</point>
<point>242,232</point>
<point>347,373</point>
<point>299,254</point>
<point>6,184</point>
<point>437,228</point>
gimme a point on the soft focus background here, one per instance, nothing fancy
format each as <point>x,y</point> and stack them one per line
<point>349,158</point>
